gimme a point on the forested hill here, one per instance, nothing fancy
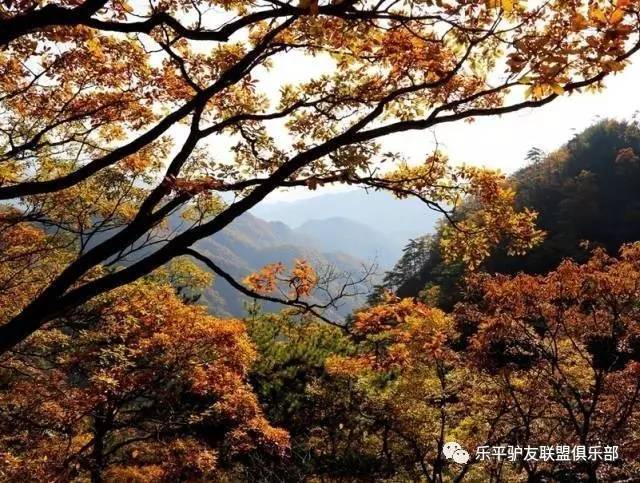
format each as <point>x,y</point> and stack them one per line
<point>586,193</point>
<point>589,190</point>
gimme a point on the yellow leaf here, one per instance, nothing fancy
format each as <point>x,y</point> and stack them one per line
<point>597,14</point>
<point>538,91</point>
<point>93,46</point>
<point>557,89</point>
<point>528,94</point>
<point>616,17</point>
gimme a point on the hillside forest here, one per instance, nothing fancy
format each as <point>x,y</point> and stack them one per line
<point>163,320</point>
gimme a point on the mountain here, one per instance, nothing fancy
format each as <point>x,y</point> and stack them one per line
<point>394,221</point>
<point>586,195</point>
<point>346,231</point>
<point>587,191</point>
<point>338,234</point>
<point>250,243</point>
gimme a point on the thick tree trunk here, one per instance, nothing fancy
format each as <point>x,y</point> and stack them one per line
<point>101,424</point>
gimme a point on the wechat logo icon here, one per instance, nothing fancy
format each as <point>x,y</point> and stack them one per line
<point>454,451</point>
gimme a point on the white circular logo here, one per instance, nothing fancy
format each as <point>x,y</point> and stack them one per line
<point>460,456</point>
<point>449,448</point>
<point>453,450</point>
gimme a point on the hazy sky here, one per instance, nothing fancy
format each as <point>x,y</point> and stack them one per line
<point>496,142</point>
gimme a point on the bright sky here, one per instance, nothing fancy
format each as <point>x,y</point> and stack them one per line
<point>494,142</point>
<point>502,142</point>
<point>497,142</point>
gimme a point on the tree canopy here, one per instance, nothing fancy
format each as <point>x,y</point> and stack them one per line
<point>524,361</point>
<point>129,131</point>
<point>114,114</point>
<point>138,386</point>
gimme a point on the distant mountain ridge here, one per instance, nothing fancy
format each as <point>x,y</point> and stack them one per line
<point>250,243</point>
<point>348,231</point>
<point>376,218</point>
<point>373,208</point>
<point>337,234</point>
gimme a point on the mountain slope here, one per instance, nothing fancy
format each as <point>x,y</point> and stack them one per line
<point>585,191</point>
<point>586,194</point>
<point>339,234</point>
<point>249,243</point>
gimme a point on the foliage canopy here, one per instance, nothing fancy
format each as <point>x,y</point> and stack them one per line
<point>113,113</point>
